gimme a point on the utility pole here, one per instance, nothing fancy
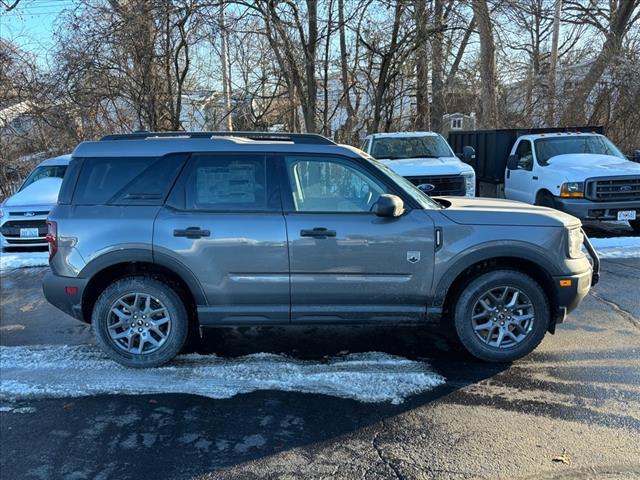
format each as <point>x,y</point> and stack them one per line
<point>226,81</point>
<point>553,61</point>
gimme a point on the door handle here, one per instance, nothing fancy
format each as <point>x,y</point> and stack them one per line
<point>318,232</point>
<point>535,177</point>
<point>191,232</point>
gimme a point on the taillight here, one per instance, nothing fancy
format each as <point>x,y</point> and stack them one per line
<point>52,238</point>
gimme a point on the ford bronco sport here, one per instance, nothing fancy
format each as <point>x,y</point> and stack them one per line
<point>157,235</point>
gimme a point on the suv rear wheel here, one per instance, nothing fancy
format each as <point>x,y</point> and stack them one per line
<point>140,322</point>
<point>502,316</point>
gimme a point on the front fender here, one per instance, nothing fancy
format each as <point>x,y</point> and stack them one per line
<point>488,251</point>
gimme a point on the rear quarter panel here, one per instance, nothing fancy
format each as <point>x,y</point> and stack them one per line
<point>91,235</point>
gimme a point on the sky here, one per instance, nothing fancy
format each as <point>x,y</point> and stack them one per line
<point>32,25</point>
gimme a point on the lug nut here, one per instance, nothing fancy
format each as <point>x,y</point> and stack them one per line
<point>140,330</point>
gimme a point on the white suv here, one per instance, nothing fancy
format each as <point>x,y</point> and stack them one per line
<point>23,216</point>
<point>425,159</point>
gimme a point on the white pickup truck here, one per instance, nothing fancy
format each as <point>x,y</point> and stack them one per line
<point>583,174</point>
<point>425,159</point>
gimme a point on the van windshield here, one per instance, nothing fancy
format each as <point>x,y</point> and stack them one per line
<point>48,171</point>
<point>547,148</point>
<point>393,148</point>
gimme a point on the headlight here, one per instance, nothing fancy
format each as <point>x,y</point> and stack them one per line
<point>572,190</point>
<point>575,243</point>
<point>470,184</point>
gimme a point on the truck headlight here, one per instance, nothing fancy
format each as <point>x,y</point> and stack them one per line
<point>572,190</point>
<point>575,243</point>
<point>470,184</point>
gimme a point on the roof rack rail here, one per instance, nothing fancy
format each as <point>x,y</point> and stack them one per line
<point>299,138</point>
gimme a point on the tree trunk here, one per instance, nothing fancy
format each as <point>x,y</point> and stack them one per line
<point>437,77</point>
<point>551,94</point>
<point>309,109</point>
<point>488,95</point>
<point>350,122</point>
<point>422,67</point>
<point>226,83</point>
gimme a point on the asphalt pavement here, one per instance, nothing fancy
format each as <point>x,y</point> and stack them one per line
<point>569,410</point>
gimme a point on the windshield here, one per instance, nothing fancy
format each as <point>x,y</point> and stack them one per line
<point>414,192</point>
<point>547,148</point>
<point>431,146</point>
<point>51,171</point>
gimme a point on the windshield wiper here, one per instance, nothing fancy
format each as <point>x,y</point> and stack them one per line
<point>422,156</point>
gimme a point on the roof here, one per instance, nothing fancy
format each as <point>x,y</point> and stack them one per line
<point>536,136</point>
<point>144,144</point>
<point>9,114</point>
<point>403,134</point>
<point>61,160</point>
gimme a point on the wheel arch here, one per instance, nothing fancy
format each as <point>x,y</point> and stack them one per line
<point>499,258</point>
<point>110,267</point>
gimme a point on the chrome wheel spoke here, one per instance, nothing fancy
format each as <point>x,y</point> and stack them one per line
<point>132,326</point>
<point>484,326</point>
<point>503,317</point>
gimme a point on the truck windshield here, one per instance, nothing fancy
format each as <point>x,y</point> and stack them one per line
<point>547,148</point>
<point>45,171</point>
<point>393,148</point>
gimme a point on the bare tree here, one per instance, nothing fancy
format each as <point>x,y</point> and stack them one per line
<point>487,60</point>
<point>618,18</point>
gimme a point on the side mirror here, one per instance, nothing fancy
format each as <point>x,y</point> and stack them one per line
<point>468,154</point>
<point>512,162</point>
<point>389,206</point>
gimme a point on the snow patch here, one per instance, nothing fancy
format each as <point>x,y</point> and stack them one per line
<point>617,247</point>
<point>9,261</point>
<point>72,371</point>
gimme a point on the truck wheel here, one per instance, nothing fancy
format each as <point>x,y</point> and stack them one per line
<point>545,199</point>
<point>140,322</point>
<point>635,225</point>
<point>501,316</point>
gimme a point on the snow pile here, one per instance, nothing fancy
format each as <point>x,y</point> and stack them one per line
<point>9,261</point>
<point>72,371</point>
<point>617,247</point>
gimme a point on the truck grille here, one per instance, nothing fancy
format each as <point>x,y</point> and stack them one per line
<point>613,189</point>
<point>444,184</point>
<point>11,229</point>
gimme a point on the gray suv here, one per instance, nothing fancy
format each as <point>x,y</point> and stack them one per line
<point>157,235</point>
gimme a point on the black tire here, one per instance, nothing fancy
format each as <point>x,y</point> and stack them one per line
<point>635,225</point>
<point>545,199</point>
<point>472,293</point>
<point>175,338</point>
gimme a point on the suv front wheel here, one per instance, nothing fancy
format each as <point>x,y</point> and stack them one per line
<point>502,316</point>
<point>140,322</point>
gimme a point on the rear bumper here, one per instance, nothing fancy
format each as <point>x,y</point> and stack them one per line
<point>59,292</point>
<point>589,210</point>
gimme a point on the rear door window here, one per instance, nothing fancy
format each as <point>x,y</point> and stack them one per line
<point>126,181</point>
<point>227,182</point>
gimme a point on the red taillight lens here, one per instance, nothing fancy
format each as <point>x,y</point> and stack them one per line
<point>52,238</point>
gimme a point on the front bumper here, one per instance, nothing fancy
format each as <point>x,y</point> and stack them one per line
<point>16,218</point>
<point>589,210</point>
<point>59,291</point>
<point>572,289</point>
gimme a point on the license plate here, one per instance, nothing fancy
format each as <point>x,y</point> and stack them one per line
<point>627,215</point>
<point>28,233</point>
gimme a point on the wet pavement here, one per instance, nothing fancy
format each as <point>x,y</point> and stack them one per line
<point>569,410</point>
